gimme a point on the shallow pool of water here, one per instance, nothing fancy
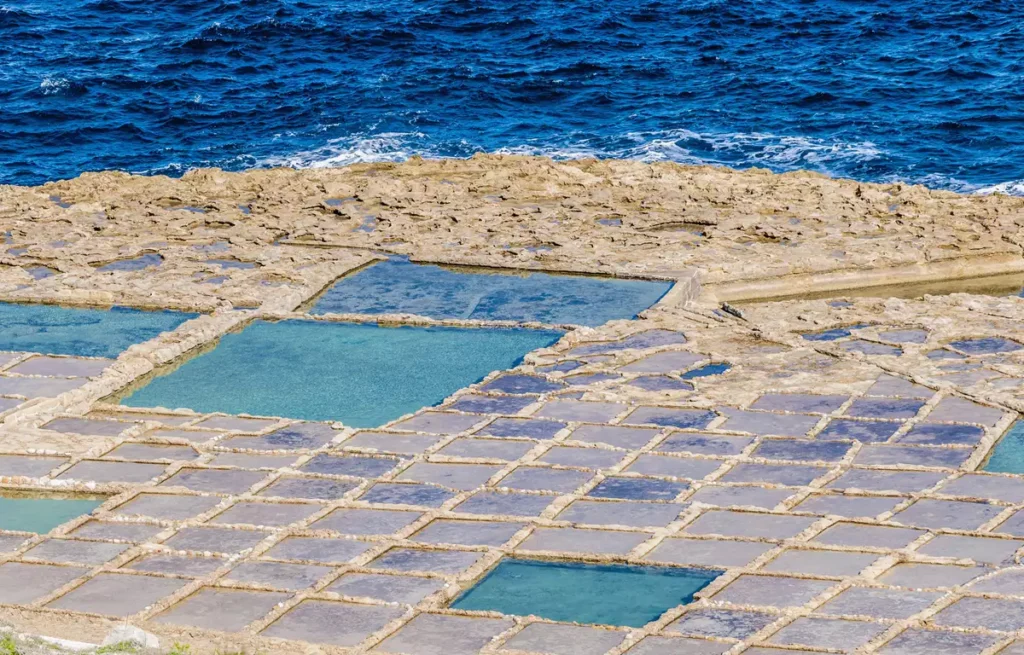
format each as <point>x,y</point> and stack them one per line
<point>397,286</point>
<point>615,594</point>
<point>55,330</point>
<point>361,374</point>
<point>1008,454</point>
<point>40,514</point>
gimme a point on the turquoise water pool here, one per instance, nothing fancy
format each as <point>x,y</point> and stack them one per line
<point>55,330</point>
<point>41,514</point>
<point>363,375</point>
<point>615,594</point>
<point>1008,454</point>
<point>397,286</point>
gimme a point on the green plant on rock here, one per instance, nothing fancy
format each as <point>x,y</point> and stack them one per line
<point>8,646</point>
<point>119,647</point>
<point>180,649</point>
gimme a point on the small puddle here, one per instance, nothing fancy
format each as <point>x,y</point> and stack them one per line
<point>40,513</point>
<point>230,263</point>
<point>605,594</point>
<point>833,334</point>
<point>56,330</point>
<point>134,264</point>
<point>398,286</point>
<point>40,272</point>
<point>367,224</point>
<point>706,371</point>
<point>361,374</point>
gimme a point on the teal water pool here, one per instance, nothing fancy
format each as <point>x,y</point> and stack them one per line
<point>40,514</point>
<point>55,330</point>
<point>606,594</point>
<point>397,286</point>
<point>361,374</point>
<point>1008,454</point>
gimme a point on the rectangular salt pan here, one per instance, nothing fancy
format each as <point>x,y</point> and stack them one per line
<point>362,375</point>
<point>54,330</point>
<point>397,286</point>
<point>1008,454</point>
<point>614,594</point>
<point>40,514</point>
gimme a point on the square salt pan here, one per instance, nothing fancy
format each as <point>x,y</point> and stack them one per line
<point>402,444</point>
<point>614,435</point>
<point>708,552</point>
<point>278,575</point>
<point>222,481</point>
<point>582,541</point>
<point>366,521</point>
<point>167,507</point>
<point>453,476</point>
<point>117,595</point>
<point>747,524</point>
<point>637,515</point>
<point>828,633</point>
<point>438,423</point>
<point>764,423</point>
<point>671,417</point>
<point>328,622</point>
<point>956,515</point>
<point>314,549</point>
<point>449,562</point>
<point>467,533</point>
<point>799,402</point>
<point>880,602</point>
<point>389,588</point>
<point>435,634</point>
<point>564,639</point>
<point>226,610</point>
<point>772,591</point>
<point>577,410</point>
<point>22,583</point>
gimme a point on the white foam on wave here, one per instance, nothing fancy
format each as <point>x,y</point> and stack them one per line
<point>748,149</point>
<point>356,149</point>
<point>1011,188</point>
<point>736,149</point>
<point>682,146</point>
<point>948,183</point>
<point>742,149</point>
<point>54,85</point>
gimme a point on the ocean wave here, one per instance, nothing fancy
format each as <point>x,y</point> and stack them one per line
<point>741,150</point>
<point>735,150</point>
<point>60,86</point>
<point>356,149</point>
<point>1011,188</point>
<point>54,85</point>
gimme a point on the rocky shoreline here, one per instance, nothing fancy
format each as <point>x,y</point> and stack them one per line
<point>615,217</point>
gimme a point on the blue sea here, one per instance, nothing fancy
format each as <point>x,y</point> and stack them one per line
<point>914,90</point>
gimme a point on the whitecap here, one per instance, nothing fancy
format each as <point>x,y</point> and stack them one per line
<point>356,149</point>
<point>1010,188</point>
<point>54,85</point>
